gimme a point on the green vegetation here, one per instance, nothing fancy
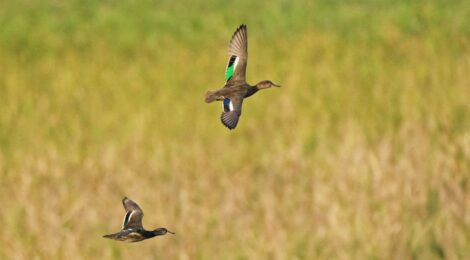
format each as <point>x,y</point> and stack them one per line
<point>364,153</point>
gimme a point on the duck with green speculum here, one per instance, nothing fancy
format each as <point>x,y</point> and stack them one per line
<point>236,89</point>
<point>132,229</point>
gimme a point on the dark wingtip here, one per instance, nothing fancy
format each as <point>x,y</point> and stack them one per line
<point>241,27</point>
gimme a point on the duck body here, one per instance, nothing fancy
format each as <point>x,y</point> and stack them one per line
<point>230,91</point>
<point>134,235</point>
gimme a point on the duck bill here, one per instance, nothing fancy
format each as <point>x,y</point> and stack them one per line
<point>171,232</point>
<point>276,85</point>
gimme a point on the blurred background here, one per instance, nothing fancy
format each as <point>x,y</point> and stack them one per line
<point>364,153</point>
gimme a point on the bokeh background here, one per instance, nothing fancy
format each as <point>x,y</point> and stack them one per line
<point>364,153</point>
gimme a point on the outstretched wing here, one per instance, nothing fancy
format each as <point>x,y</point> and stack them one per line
<point>238,55</point>
<point>232,111</point>
<point>134,214</point>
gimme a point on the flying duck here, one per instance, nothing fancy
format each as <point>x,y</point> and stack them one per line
<point>132,229</point>
<point>236,88</point>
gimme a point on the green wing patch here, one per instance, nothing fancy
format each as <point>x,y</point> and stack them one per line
<point>229,73</point>
<point>230,67</point>
<point>126,218</point>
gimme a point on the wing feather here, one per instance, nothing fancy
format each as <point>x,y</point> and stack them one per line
<point>232,112</point>
<point>238,56</point>
<point>134,214</point>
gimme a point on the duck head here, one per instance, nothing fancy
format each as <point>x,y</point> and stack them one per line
<point>162,231</point>
<point>266,84</point>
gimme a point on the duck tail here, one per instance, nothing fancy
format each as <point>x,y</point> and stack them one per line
<point>211,96</point>
<point>108,236</point>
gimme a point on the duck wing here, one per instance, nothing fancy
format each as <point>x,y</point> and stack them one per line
<point>134,214</point>
<point>238,56</point>
<point>232,111</point>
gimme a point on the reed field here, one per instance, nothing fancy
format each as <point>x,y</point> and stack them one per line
<point>363,153</point>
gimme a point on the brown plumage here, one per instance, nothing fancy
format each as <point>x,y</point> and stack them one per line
<point>236,89</point>
<point>132,229</point>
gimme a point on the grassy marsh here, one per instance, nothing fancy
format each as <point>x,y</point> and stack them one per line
<point>363,153</point>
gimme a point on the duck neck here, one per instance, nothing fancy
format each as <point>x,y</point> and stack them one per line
<point>156,232</point>
<point>148,233</point>
<point>252,90</point>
